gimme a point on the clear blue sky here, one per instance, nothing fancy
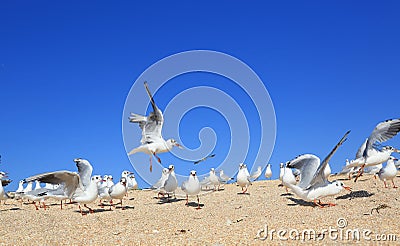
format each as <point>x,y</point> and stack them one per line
<point>67,68</point>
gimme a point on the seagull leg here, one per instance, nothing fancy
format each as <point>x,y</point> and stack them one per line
<point>34,203</point>
<point>61,204</point>
<point>394,186</point>
<point>158,158</point>
<point>111,204</point>
<point>245,190</point>
<point>123,208</point>
<point>198,203</point>
<point>80,209</point>
<point>318,204</point>
<point>90,210</point>
<point>360,172</point>
<point>187,200</point>
<point>385,183</point>
<point>151,164</point>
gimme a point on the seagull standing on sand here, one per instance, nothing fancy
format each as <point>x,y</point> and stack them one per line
<point>243,177</point>
<point>214,179</point>
<point>225,178</point>
<point>254,176</point>
<point>388,172</point>
<point>118,191</point>
<point>313,184</point>
<point>3,194</point>
<point>171,183</point>
<point>368,154</point>
<point>152,141</point>
<point>79,187</point>
<point>192,187</point>
<point>268,172</point>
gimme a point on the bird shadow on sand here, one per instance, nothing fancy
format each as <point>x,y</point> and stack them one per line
<point>11,209</point>
<point>287,194</point>
<point>169,200</point>
<point>194,204</point>
<point>241,193</point>
<point>300,202</point>
<point>355,194</point>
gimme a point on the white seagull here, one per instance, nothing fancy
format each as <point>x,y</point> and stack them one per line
<point>192,187</point>
<point>388,172</point>
<point>254,176</point>
<point>214,179</point>
<point>368,154</point>
<point>268,172</point>
<point>288,178</point>
<point>313,184</point>
<point>225,178</point>
<point>152,141</point>
<point>3,194</point>
<point>118,191</point>
<point>243,177</point>
<point>79,187</point>
<point>171,183</point>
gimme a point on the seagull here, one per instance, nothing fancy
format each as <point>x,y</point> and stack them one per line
<point>37,185</point>
<point>243,177</point>
<point>192,188</point>
<point>281,170</point>
<point>368,154</point>
<point>3,194</point>
<point>373,170</point>
<point>80,187</point>
<point>388,172</point>
<point>132,183</point>
<point>171,183</point>
<point>224,177</point>
<point>152,141</point>
<point>313,184</point>
<point>214,179</point>
<point>288,178</point>
<point>160,182</point>
<point>103,190</point>
<point>254,176</point>
<point>204,158</point>
<point>268,172</point>
<point>118,191</point>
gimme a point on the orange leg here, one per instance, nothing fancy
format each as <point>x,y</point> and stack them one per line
<point>198,203</point>
<point>394,186</point>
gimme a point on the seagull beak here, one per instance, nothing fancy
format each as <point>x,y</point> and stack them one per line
<point>178,145</point>
<point>347,188</point>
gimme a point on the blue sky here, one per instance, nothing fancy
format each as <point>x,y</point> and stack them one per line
<point>66,70</point>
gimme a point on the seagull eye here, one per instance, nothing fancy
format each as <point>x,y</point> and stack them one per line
<point>337,184</point>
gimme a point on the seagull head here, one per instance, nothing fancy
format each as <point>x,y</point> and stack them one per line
<point>96,179</point>
<point>126,173</point>
<point>3,175</point>
<point>193,173</point>
<point>339,185</point>
<point>171,168</point>
<point>172,142</point>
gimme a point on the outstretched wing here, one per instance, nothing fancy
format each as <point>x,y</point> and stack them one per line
<point>319,177</point>
<point>5,182</point>
<point>151,125</point>
<point>382,132</point>
<point>308,165</point>
<point>69,180</point>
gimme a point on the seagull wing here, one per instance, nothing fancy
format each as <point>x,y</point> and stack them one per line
<point>308,165</point>
<point>85,172</point>
<point>5,182</point>
<point>382,132</point>
<point>151,130</point>
<point>69,180</point>
<point>319,177</point>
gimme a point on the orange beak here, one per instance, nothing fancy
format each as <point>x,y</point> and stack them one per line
<point>347,188</point>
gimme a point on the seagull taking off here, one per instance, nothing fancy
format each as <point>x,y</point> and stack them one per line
<point>368,154</point>
<point>152,141</point>
<point>313,184</point>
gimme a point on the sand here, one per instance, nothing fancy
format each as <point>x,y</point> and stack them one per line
<point>226,218</point>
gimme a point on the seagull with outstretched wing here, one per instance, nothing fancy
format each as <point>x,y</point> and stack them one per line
<point>152,141</point>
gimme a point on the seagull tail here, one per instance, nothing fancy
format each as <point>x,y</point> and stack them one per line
<point>135,150</point>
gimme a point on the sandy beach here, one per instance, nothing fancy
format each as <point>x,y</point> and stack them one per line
<point>226,218</point>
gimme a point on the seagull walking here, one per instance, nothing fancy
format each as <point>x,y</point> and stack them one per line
<point>192,187</point>
<point>118,191</point>
<point>152,141</point>
<point>243,177</point>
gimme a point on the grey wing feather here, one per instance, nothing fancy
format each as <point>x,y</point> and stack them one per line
<point>85,172</point>
<point>308,165</point>
<point>319,177</point>
<point>383,132</point>
<point>361,150</point>
<point>67,179</point>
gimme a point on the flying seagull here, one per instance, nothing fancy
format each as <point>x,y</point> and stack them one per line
<point>204,158</point>
<point>152,141</point>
